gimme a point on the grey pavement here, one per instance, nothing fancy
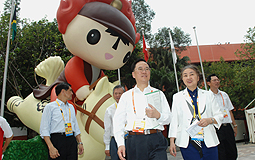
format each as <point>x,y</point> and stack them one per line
<point>245,152</point>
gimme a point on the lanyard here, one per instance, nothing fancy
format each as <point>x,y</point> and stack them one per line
<point>116,105</point>
<point>133,101</point>
<point>194,114</point>
<point>222,100</point>
<point>62,112</point>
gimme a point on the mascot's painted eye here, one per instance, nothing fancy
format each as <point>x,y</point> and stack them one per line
<point>127,56</point>
<point>93,36</point>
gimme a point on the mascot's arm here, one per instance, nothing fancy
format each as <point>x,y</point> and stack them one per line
<point>74,73</point>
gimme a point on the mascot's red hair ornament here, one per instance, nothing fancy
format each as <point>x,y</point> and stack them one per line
<point>101,34</point>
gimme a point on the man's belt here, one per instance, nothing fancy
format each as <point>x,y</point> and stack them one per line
<point>58,133</point>
<point>147,131</point>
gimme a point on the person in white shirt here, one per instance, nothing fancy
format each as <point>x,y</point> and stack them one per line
<point>194,106</point>
<point>109,140</point>
<point>59,127</point>
<point>142,120</point>
<point>5,131</point>
<point>226,134</point>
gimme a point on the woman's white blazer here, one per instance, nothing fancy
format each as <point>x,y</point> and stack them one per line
<point>182,116</point>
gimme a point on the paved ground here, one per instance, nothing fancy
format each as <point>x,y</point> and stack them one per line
<point>245,152</point>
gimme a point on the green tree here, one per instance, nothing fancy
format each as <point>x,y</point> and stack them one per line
<point>162,73</point>
<point>180,38</point>
<point>237,79</point>
<point>143,16</point>
<point>247,50</point>
<point>34,42</point>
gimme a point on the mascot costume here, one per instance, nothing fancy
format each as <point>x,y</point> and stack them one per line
<point>101,34</point>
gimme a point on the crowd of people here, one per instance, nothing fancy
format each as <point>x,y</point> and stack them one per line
<point>201,123</point>
<point>199,120</point>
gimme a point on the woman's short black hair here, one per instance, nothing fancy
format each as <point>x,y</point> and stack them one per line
<point>195,68</point>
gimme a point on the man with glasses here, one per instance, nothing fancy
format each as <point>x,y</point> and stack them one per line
<point>226,134</point>
<point>59,127</point>
<point>142,111</point>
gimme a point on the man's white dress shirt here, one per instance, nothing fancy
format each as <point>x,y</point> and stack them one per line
<point>108,124</point>
<point>225,104</point>
<point>125,112</point>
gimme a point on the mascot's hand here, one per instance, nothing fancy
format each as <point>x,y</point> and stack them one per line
<point>83,92</point>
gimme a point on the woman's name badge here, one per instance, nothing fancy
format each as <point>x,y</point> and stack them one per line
<point>199,136</point>
<point>138,126</point>
<point>68,129</point>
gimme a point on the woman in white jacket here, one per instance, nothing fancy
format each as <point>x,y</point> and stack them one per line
<point>194,106</point>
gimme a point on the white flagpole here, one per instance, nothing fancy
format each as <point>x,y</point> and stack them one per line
<point>200,59</point>
<point>6,61</point>
<point>119,75</point>
<point>174,59</point>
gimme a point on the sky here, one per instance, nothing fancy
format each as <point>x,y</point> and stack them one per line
<point>217,21</point>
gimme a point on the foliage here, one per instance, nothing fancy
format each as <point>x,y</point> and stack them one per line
<point>143,16</point>
<point>162,73</point>
<point>34,148</point>
<point>237,79</point>
<point>180,39</point>
<point>34,42</point>
<point>248,48</point>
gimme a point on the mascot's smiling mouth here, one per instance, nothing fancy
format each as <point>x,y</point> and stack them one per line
<point>108,56</point>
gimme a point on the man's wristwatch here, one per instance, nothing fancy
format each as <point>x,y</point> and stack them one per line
<point>212,120</point>
<point>80,143</point>
<point>235,125</point>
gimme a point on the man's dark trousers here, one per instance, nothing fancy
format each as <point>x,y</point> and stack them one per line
<point>147,147</point>
<point>66,146</point>
<point>227,148</point>
<point>113,149</point>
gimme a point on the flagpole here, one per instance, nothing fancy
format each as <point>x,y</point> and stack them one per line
<point>6,61</point>
<point>174,59</point>
<point>119,75</point>
<point>200,59</point>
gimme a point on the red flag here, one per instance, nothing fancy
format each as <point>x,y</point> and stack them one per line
<point>146,57</point>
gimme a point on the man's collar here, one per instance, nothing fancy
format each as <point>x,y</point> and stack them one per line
<point>61,102</point>
<point>213,92</point>
<point>144,88</point>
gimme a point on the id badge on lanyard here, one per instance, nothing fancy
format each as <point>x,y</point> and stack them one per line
<point>139,125</point>
<point>68,129</point>
<point>225,113</point>
<point>199,136</point>
<point>68,126</point>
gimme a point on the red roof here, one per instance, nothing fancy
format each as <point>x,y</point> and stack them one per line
<point>212,53</point>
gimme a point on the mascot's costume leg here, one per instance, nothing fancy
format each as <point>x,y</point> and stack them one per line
<point>101,34</point>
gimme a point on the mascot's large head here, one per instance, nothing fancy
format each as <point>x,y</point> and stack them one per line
<point>101,32</point>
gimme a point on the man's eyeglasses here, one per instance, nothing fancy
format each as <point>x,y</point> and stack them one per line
<point>140,69</point>
<point>216,80</point>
